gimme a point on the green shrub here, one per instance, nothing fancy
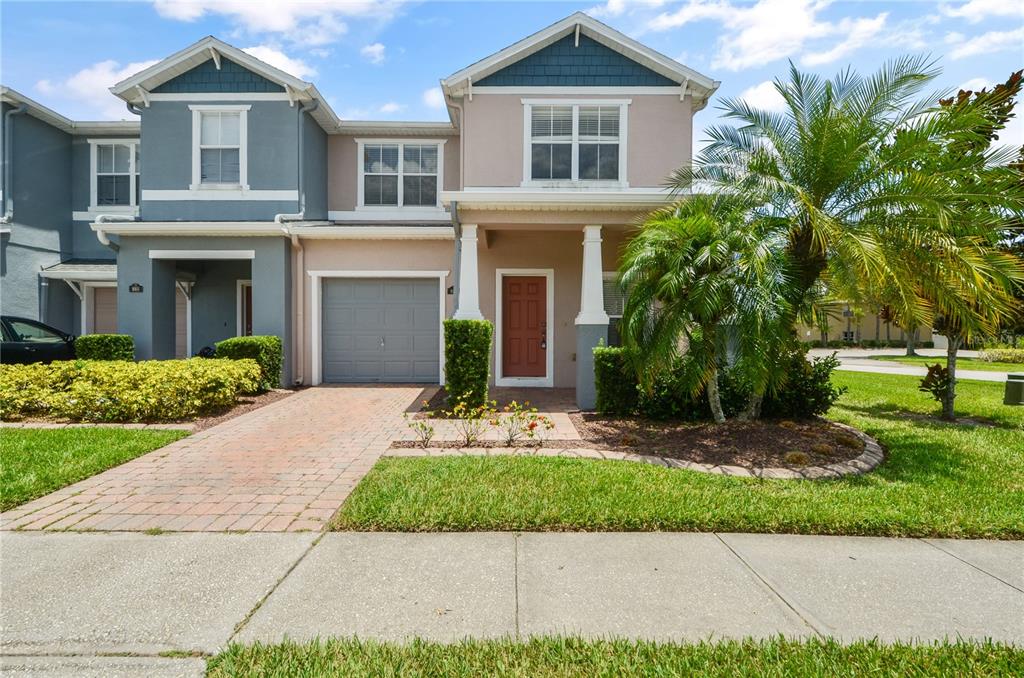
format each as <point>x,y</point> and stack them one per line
<point>467,359</point>
<point>616,383</point>
<point>105,347</point>
<point>807,391</point>
<point>122,391</point>
<point>1002,355</point>
<point>266,350</point>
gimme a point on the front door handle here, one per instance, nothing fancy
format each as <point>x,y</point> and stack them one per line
<point>382,342</point>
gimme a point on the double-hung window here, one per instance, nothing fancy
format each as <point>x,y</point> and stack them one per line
<point>576,142</point>
<point>115,173</point>
<point>399,174</point>
<point>219,146</point>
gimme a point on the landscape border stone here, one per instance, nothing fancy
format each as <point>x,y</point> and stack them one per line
<point>865,462</point>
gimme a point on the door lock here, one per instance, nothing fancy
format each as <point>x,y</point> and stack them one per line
<point>382,342</point>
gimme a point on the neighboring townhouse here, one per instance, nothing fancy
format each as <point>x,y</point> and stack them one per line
<point>242,193</point>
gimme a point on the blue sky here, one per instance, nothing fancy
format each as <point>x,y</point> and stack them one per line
<point>382,59</point>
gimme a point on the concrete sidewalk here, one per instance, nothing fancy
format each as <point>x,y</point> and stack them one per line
<point>68,599</point>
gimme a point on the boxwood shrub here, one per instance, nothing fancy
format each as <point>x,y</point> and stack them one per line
<point>617,389</point>
<point>123,391</point>
<point>266,350</point>
<point>467,359</point>
<point>105,347</point>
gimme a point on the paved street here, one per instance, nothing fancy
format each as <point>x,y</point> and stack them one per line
<point>96,594</point>
<point>863,360</point>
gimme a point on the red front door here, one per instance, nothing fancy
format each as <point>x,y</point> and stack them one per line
<point>524,315</point>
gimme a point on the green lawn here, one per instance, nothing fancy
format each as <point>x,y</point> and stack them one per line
<point>34,462</point>
<point>940,480</point>
<point>570,657</point>
<point>961,363</point>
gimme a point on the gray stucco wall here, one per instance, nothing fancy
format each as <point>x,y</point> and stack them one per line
<point>84,244</point>
<point>272,161</point>
<point>41,227</point>
<point>149,315</point>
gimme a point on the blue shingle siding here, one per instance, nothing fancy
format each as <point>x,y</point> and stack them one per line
<point>230,78</point>
<point>589,65</point>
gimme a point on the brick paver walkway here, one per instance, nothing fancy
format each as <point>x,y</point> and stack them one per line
<point>287,466</point>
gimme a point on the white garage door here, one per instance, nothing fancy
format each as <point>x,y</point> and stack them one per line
<point>381,330</point>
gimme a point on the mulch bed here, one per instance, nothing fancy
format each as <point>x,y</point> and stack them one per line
<point>750,444</point>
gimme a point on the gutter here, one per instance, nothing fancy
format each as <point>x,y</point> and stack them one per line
<point>101,234</point>
<point>8,141</point>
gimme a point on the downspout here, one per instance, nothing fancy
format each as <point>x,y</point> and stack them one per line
<point>8,141</point>
<point>298,286</point>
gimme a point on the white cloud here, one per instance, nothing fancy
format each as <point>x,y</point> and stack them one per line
<point>309,22</point>
<point>278,59</point>
<point>975,11</point>
<point>769,30</point>
<point>374,53</point>
<point>976,84</point>
<point>764,96</point>
<point>988,43</point>
<point>84,95</point>
<point>434,98</point>
<point>614,8</point>
<point>392,107</point>
<point>859,33</point>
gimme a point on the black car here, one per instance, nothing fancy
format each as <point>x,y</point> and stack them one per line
<point>30,341</point>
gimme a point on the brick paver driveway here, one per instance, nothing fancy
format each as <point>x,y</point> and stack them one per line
<point>286,466</point>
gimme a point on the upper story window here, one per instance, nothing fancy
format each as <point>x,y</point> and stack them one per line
<point>575,142</point>
<point>114,179</point>
<point>399,174</point>
<point>219,146</point>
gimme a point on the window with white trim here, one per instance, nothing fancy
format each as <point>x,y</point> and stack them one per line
<point>614,303</point>
<point>576,142</point>
<point>399,174</point>
<point>219,146</point>
<point>115,173</point>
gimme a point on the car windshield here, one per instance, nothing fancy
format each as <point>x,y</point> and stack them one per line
<point>32,332</point>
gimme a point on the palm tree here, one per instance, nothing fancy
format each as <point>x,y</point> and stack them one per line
<point>698,271</point>
<point>830,170</point>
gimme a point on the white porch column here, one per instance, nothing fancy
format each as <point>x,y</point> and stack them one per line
<point>592,321</point>
<point>469,277</point>
<point>592,287</point>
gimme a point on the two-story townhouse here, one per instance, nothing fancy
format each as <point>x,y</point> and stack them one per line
<point>354,240</point>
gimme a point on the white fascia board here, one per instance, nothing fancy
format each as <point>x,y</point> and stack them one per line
<point>200,228</point>
<point>602,33</point>
<point>374,232</point>
<point>91,276</point>
<point>550,198</point>
<point>195,54</point>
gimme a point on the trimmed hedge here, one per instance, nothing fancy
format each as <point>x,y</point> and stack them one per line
<point>122,391</point>
<point>105,347</point>
<point>266,350</point>
<point>1002,355</point>
<point>808,391</point>
<point>467,360</point>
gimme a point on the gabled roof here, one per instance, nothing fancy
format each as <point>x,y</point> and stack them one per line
<point>136,89</point>
<point>700,86</point>
<point>64,124</point>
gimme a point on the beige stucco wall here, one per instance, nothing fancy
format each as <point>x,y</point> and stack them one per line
<point>561,251</point>
<point>343,167</point>
<point>659,138</point>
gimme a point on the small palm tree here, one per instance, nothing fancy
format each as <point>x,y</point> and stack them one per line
<point>700,278</point>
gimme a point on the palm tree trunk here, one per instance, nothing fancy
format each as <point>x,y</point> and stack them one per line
<point>753,409</point>
<point>912,341</point>
<point>713,397</point>
<point>949,397</point>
